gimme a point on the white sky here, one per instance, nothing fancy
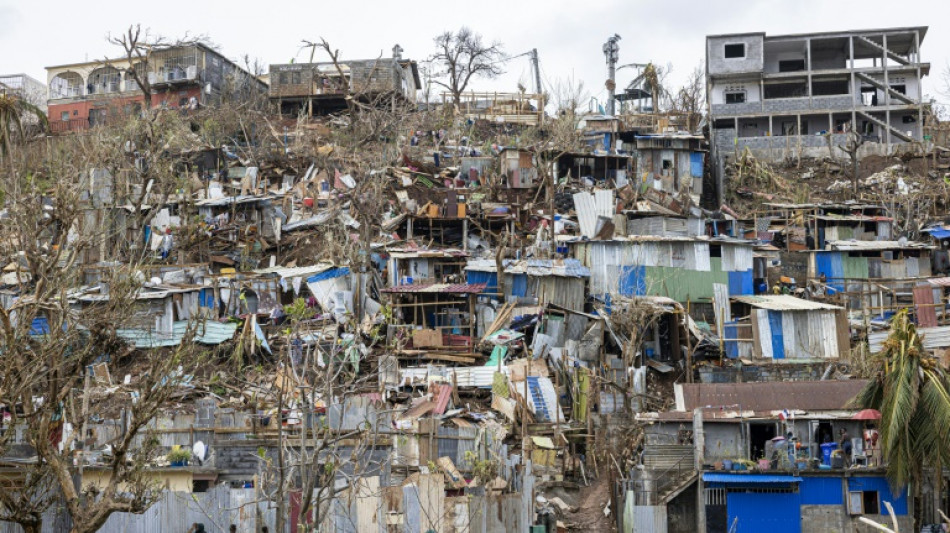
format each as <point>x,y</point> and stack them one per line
<point>568,34</point>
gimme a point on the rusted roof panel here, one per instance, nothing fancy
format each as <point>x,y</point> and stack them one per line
<point>445,288</point>
<point>772,396</point>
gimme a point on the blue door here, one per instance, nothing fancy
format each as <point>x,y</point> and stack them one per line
<point>696,164</point>
<point>760,511</point>
<point>778,339</point>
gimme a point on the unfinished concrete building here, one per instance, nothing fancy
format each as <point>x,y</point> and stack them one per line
<point>779,95</point>
<point>323,88</point>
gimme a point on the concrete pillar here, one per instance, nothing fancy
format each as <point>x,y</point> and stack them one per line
<point>808,65</point>
<point>920,88</point>
<point>887,94</point>
<point>699,443</point>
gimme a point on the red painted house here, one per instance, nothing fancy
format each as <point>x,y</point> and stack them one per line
<point>89,93</point>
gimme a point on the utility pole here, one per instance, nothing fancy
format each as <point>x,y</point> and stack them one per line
<point>536,67</point>
<point>612,52</point>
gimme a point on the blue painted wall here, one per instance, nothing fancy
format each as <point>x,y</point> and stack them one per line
<point>769,512</point>
<point>696,164</point>
<point>519,285</point>
<point>778,339</point>
<point>898,500</point>
<point>830,264</point>
<point>822,491</point>
<point>731,331</point>
<point>490,279</point>
<point>740,283</point>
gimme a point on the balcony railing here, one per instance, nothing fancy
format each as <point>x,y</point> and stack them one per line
<point>66,126</point>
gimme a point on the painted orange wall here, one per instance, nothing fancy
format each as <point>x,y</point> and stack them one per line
<point>115,104</point>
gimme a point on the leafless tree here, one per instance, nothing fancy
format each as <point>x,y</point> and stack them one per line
<point>50,340</point>
<point>690,100</point>
<point>855,141</point>
<point>461,57</point>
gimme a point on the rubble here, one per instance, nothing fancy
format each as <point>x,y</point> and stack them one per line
<point>477,316</point>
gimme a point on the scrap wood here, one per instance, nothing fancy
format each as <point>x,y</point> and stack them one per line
<point>452,475</point>
<point>502,318</point>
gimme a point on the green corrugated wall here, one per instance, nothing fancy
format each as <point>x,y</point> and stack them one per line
<point>686,285</point>
<point>855,267</point>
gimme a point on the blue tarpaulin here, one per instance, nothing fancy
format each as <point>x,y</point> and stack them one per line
<point>39,326</point>
<point>329,274</point>
<point>633,280</point>
<point>939,233</point>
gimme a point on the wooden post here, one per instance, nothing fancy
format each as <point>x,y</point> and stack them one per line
<point>689,347</point>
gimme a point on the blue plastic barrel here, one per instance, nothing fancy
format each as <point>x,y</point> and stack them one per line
<point>826,450</point>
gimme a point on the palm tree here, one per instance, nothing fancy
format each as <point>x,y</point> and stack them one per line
<point>13,111</point>
<point>910,389</point>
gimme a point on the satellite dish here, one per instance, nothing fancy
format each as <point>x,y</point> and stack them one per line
<point>199,450</point>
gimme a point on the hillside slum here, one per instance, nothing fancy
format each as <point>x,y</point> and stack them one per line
<point>482,318</point>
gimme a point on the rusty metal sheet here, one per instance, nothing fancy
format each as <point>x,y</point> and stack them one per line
<point>773,396</point>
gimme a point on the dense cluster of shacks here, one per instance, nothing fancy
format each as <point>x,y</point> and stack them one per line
<point>626,328</point>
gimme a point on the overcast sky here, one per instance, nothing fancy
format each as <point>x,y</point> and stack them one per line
<point>568,34</point>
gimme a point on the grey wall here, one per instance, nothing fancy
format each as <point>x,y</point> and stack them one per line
<point>717,62</point>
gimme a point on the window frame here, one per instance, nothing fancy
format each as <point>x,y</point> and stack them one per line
<point>725,51</point>
<point>727,93</point>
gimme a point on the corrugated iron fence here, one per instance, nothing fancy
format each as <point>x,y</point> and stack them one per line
<point>217,509</point>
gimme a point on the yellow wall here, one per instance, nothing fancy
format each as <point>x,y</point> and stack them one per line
<point>171,479</point>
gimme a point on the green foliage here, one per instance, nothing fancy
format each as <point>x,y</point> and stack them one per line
<point>910,390</point>
<point>179,455</point>
<point>298,310</point>
<point>484,470</point>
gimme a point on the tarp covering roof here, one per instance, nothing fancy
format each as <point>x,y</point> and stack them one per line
<point>329,274</point>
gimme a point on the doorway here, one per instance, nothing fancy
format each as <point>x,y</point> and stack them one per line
<point>759,435</point>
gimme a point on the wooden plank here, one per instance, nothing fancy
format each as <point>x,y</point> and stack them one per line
<point>923,301</point>
<point>844,335</point>
<point>452,358</point>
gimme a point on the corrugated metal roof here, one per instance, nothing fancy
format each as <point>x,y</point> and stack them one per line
<point>783,302</point>
<point>414,254</point>
<point>771,396</point>
<point>854,245</point>
<point>441,398</point>
<point>437,288</point>
<point>316,220</point>
<point>716,477</point>
<point>533,267</point>
<point>940,282</point>
<point>211,333</point>
<point>228,200</point>
<point>295,272</point>
<point>853,218</point>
